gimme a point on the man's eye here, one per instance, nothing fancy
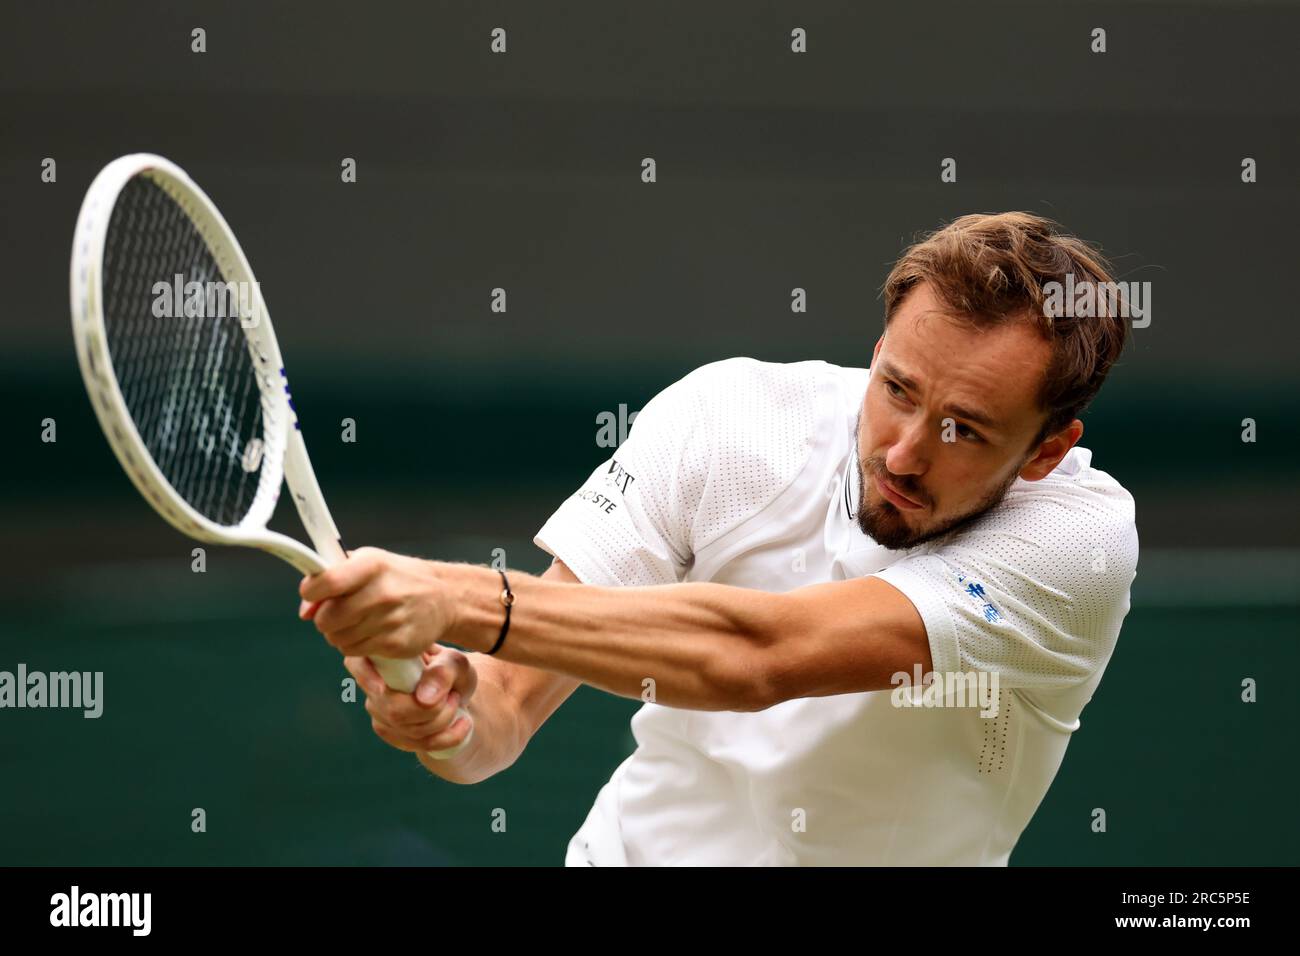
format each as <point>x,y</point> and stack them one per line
<point>894,389</point>
<point>968,433</point>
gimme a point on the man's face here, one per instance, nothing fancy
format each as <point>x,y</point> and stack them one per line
<point>947,421</point>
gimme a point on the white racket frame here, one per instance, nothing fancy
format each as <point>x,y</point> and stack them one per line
<point>284,454</point>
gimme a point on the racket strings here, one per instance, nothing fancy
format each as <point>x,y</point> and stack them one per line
<point>184,369</point>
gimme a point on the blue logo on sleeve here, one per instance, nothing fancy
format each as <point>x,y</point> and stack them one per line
<point>976,590</point>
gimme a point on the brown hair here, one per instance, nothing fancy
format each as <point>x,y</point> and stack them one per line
<point>991,269</point>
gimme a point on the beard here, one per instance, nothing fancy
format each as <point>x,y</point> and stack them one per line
<point>883,522</point>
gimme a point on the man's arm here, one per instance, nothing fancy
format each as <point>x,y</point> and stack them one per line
<point>533,694</point>
<point>705,646</point>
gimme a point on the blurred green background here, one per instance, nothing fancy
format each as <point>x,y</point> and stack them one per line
<point>522,172</point>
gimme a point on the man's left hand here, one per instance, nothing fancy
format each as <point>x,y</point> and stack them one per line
<point>378,604</point>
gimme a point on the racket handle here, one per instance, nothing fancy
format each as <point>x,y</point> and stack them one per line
<point>402,675</point>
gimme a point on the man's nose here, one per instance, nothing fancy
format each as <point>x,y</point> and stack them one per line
<point>909,454</point>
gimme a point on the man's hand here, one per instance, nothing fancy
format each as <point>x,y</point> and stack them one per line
<point>426,720</point>
<point>377,604</point>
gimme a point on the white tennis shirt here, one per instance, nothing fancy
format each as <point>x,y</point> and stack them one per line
<point>744,473</point>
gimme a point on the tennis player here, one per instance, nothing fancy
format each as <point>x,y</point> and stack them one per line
<point>801,568</point>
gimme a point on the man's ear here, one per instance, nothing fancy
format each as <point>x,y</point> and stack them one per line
<point>1051,450</point>
<point>875,352</point>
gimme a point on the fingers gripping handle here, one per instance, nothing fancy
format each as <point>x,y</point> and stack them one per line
<point>403,675</point>
<point>400,675</point>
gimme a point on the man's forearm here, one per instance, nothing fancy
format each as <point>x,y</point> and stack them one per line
<point>695,646</point>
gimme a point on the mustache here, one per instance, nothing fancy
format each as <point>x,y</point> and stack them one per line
<point>876,467</point>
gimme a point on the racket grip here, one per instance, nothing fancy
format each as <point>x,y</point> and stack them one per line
<point>402,675</point>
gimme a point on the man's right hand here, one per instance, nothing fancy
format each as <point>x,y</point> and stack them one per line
<point>425,720</point>
<point>511,703</point>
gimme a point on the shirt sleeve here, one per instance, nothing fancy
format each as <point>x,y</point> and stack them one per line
<point>1035,592</point>
<point>631,521</point>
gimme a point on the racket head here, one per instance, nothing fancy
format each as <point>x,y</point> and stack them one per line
<point>196,408</point>
<point>182,397</point>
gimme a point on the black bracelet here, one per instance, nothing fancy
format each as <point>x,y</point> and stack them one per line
<point>507,600</point>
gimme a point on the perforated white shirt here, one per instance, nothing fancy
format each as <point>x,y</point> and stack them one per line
<point>743,473</point>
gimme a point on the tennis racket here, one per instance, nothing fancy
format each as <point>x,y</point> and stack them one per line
<point>182,366</point>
